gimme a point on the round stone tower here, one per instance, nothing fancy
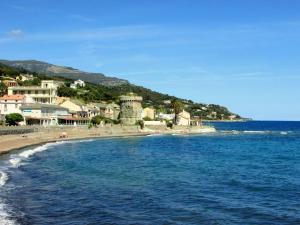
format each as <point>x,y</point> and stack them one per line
<point>131,109</point>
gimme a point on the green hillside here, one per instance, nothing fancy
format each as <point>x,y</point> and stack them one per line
<point>96,92</point>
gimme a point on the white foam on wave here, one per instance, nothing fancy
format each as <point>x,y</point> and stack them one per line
<point>153,135</point>
<point>3,178</point>
<point>16,160</point>
<point>4,216</point>
<point>256,131</point>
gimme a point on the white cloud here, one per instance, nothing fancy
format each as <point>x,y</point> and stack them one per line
<point>15,33</point>
<point>80,17</point>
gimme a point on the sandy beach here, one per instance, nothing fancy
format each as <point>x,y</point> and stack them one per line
<point>13,142</point>
<point>51,134</point>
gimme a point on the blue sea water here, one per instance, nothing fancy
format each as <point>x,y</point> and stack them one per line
<point>246,173</point>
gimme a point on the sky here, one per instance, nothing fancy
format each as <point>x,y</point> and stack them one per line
<point>244,55</point>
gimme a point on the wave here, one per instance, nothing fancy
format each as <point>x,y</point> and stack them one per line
<point>153,135</point>
<point>16,160</point>
<point>257,131</point>
<point>4,216</point>
<point>3,178</point>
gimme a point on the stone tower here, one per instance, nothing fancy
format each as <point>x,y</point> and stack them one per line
<point>131,109</point>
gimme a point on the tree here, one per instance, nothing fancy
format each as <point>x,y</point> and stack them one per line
<point>141,124</point>
<point>64,91</point>
<point>2,89</point>
<point>13,118</point>
<point>96,120</point>
<point>178,107</point>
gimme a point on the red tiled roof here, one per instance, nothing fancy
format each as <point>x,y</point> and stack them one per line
<point>12,97</point>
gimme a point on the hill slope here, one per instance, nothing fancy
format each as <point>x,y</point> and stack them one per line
<point>62,71</point>
<point>99,92</point>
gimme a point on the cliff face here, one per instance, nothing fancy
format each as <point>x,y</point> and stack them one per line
<point>62,71</point>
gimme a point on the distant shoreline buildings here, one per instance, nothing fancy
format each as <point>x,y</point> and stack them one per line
<point>41,105</point>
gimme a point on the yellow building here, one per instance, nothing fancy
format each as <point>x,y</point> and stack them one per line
<point>149,112</point>
<point>183,118</point>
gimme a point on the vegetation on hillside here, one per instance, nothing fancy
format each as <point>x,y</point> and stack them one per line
<point>95,93</point>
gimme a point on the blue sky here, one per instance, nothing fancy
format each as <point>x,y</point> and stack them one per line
<point>241,54</point>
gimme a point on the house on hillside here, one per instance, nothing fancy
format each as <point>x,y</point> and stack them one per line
<point>25,77</point>
<point>9,82</point>
<point>44,94</point>
<point>77,83</point>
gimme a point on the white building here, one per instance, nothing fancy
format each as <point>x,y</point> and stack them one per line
<point>46,93</point>
<point>164,116</point>
<point>12,103</point>
<point>25,77</point>
<point>43,114</point>
<point>77,83</point>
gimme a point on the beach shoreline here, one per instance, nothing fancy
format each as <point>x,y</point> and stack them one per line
<point>9,143</point>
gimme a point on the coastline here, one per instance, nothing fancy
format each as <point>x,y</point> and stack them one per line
<point>14,142</point>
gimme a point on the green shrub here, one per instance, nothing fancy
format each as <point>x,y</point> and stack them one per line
<point>169,124</point>
<point>13,118</point>
<point>141,124</point>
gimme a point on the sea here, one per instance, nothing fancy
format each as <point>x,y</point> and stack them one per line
<point>245,173</point>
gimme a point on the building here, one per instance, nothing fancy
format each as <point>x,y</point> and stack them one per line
<point>164,116</point>
<point>232,117</point>
<point>25,77</point>
<point>77,83</point>
<point>46,93</point>
<point>11,104</point>
<point>76,108</point>
<point>10,82</point>
<point>149,112</point>
<point>183,118</point>
<point>111,110</point>
<point>131,109</point>
<point>43,114</point>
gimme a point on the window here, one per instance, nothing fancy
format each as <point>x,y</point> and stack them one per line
<point>16,106</point>
<point>44,92</point>
<point>5,108</point>
<point>29,92</point>
<point>36,92</point>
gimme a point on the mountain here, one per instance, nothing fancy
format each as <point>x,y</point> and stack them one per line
<point>107,91</point>
<point>62,71</point>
